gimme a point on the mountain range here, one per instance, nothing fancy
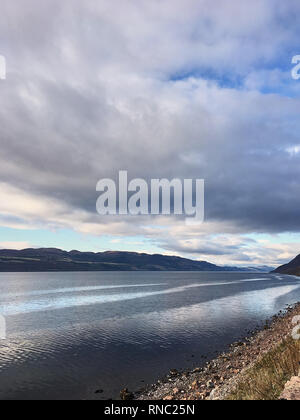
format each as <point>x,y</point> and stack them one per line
<point>52,259</point>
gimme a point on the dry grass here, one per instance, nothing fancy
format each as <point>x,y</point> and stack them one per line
<point>266,379</point>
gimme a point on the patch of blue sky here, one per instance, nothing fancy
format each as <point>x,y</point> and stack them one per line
<point>278,238</point>
<point>224,80</point>
<point>68,240</point>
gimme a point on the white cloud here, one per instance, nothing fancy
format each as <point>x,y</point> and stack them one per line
<point>15,245</point>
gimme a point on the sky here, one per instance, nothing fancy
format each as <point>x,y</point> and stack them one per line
<point>162,89</point>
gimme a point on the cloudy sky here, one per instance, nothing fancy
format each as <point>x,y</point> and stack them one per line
<point>163,89</point>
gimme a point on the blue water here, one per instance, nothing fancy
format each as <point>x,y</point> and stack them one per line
<point>70,334</point>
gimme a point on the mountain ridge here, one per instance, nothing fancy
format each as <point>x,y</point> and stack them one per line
<point>292,267</point>
<point>55,259</point>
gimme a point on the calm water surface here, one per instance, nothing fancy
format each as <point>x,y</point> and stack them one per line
<point>70,334</point>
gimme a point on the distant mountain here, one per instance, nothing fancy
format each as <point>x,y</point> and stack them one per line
<point>52,259</point>
<point>260,269</point>
<point>293,267</point>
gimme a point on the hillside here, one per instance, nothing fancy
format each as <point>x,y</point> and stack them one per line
<point>293,267</point>
<point>52,259</point>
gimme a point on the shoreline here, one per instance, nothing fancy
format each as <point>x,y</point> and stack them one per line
<point>221,375</point>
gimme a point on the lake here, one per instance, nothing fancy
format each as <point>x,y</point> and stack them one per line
<point>70,334</point>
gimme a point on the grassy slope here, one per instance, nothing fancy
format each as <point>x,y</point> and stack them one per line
<point>266,379</point>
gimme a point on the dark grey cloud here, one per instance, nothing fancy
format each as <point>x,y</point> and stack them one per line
<point>161,90</point>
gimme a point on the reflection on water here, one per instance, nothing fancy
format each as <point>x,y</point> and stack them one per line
<point>72,333</point>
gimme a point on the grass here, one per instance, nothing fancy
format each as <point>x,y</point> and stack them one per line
<point>267,378</point>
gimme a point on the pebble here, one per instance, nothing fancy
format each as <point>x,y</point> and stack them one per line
<point>210,385</point>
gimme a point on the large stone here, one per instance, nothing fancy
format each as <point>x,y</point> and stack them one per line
<point>292,389</point>
<point>126,395</point>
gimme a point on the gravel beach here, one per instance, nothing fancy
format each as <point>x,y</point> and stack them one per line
<point>221,375</point>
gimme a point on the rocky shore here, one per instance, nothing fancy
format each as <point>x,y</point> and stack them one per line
<point>221,376</point>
